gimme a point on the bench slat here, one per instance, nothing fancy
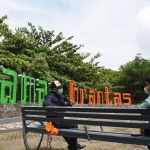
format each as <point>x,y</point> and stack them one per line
<point>103,136</point>
<point>91,115</point>
<point>89,109</point>
<point>92,122</point>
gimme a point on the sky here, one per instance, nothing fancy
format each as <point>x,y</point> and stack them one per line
<point>118,29</point>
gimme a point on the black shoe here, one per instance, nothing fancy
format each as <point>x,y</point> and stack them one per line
<point>80,146</point>
<point>72,147</point>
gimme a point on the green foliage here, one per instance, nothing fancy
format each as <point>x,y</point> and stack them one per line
<point>132,78</point>
<point>47,56</point>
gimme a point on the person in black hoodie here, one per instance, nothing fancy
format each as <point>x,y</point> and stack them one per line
<point>54,98</point>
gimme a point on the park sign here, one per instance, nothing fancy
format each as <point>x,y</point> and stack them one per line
<point>29,92</point>
<point>98,97</point>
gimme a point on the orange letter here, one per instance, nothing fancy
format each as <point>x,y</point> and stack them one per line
<point>71,91</point>
<point>117,100</point>
<point>126,96</point>
<point>92,97</point>
<point>82,92</point>
<point>75,94</point>
<point>98,98</point>
<point>108,102</point>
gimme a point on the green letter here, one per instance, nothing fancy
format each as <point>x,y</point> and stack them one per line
<point>25,81</point>
<point>42,92</point>
<point>11,86</point>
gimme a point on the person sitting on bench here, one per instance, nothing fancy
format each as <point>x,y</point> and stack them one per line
<point>54,98</point>
<point>146,104</point>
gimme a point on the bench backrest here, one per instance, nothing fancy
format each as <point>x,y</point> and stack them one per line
<point>99,116</point>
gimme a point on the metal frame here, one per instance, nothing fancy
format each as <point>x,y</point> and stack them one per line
<point>25,136</point>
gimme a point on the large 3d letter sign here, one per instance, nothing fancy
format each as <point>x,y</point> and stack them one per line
<point>30,93</point>
<point>11,97</point>
<point>27,81</point>
<point>42,91</point>
<point>98,97</point>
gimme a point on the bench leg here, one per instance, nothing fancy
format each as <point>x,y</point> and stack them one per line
<point>101,128</point>
<point>25,138</point>
<point>26,143</point>
<point>86,131</point>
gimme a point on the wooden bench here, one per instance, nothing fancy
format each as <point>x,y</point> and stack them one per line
<point>95,116</point>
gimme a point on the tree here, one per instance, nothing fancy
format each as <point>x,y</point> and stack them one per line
<point>132,78</point>
<point>43,55</point>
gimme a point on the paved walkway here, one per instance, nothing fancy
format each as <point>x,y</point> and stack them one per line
<point>10,126</point>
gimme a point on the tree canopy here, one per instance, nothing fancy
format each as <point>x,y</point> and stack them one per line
<point>132,78</point>
<point>41,54</point>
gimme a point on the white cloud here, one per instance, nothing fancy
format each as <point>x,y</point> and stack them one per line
<point>117,28</point>
<point>144,17</point>
<point>143,34</point>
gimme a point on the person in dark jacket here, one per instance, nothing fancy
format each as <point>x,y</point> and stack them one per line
<point>54,98</point>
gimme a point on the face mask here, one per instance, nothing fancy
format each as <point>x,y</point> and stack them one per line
<point>146,90</point>
<point>60,91</point>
